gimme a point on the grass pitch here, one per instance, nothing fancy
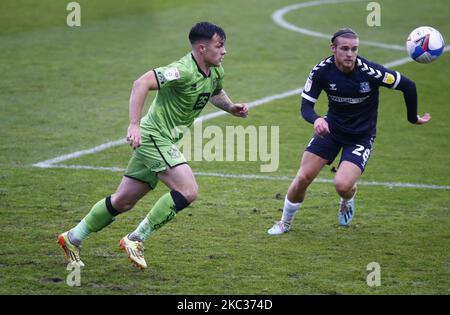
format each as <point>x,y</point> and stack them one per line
<point>66,89</point>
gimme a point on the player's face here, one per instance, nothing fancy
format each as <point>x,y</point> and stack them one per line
<point>345,52</point>
<point>214,51</point>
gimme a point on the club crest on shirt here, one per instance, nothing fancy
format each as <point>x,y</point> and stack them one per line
<point>364,87</point>
<point>333,87</point>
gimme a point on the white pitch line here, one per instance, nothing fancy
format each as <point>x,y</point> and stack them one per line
<point>278,18</point>
<point>74,155</point>
<point>107,145</point>
<point>261,101</point>
<point>322,180</point>
<point>84,167</point>
<point>264,177</point>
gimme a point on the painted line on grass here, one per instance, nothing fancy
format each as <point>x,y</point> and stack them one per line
<point>263,177</point>
<point>322,180</point>
<point>203,118</point>
<point>48,163</point>
<point>278,18</point>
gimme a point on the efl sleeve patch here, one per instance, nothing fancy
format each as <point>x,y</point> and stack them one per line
<point>388,78</point>
<point>308,85</point>
<point>171,74</point>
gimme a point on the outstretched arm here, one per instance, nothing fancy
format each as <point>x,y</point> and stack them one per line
<point>221,100</point>
<point>408,87</point>
<point>137,99</point>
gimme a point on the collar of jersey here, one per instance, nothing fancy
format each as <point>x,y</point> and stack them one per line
<point>200,70</point>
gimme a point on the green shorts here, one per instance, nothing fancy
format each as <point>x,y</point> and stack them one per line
<point>155,155</point>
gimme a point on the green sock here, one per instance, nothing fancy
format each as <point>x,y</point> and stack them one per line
<point>161,213</point>
<point>100,216</point>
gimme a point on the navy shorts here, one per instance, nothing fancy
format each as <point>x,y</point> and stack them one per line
<point>356,150</point>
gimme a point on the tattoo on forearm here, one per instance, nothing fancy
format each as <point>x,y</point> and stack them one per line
<point>221,100</point>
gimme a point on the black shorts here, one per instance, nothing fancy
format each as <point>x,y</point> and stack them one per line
<point>356,150</point>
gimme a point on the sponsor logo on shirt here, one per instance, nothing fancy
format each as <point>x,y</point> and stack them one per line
<point>333,87</point>
<point>349,100</point>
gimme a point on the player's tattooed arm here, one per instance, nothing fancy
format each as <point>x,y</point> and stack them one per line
<point>221,100</point>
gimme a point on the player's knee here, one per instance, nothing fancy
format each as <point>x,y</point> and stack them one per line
<point>182,200</point>
<point>121,203</point>
<point>304,179</point>
<point>342,185</point>
<point>191,193</point>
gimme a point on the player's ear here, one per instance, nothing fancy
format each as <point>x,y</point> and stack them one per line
<point>333,48</point>
<point>202,47</point>
<point>199,47</point>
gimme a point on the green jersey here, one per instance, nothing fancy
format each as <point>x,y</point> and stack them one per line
<point>184,90</point>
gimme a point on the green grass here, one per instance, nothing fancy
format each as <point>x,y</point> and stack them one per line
<point>66,89</point>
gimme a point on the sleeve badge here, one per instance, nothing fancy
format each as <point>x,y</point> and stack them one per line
<point>388,78</point>
<point>172,74</point>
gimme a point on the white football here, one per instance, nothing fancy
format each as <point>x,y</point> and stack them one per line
<point>425,44</point>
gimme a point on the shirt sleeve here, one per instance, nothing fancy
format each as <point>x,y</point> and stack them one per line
<point>312,88</point>
<point>379,74</point>
<point>310,95</point>
<point>408,87</point>
<point>171,75</point>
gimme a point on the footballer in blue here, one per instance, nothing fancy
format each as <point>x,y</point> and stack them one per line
<point>352,84</point>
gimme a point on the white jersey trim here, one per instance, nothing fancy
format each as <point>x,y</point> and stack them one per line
<point>309,98</point>
<point>397,80</point>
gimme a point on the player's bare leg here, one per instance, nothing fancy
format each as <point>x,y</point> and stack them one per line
<point>310,167</point>
<point>345,184</point>
<point>101,215</point>
<point>181,178</point>
<point>129,192</point>
<point>184,190</point>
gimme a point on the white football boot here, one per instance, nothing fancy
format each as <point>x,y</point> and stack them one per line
<point>279,228</point>
<point>346,210</point>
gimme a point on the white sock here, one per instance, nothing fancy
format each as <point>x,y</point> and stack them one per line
<point>289,210</point>
<point>142,232</point>
<point>79,233</point>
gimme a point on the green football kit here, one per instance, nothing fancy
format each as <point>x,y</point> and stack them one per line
<point>184,90</point>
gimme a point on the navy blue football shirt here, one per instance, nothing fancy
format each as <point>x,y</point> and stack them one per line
<point>353,97</point>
